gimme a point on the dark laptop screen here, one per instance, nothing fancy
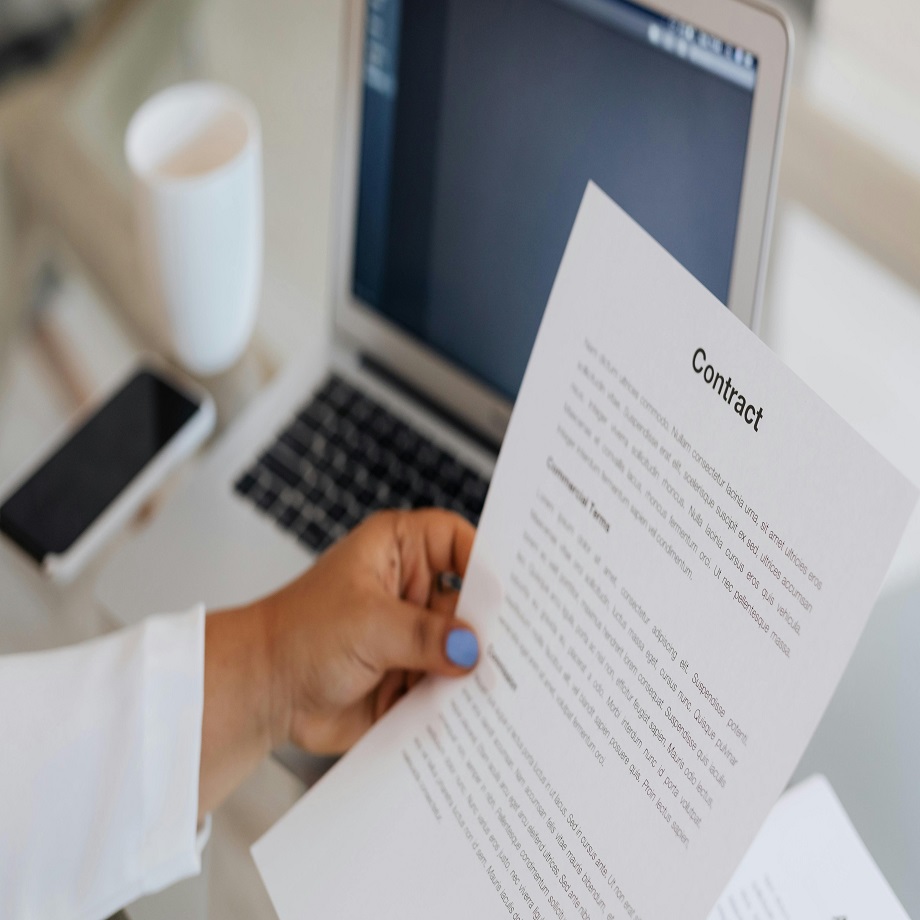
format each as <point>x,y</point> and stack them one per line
<point>484,120</point>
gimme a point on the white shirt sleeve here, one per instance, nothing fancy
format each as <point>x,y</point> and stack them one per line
<point>100,746</point>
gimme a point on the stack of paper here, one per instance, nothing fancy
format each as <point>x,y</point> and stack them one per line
<point>808,863</point>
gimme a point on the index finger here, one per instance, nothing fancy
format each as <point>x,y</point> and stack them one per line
<point>431,540</point>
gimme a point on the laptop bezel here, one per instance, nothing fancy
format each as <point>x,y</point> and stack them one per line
<point>759,28</point>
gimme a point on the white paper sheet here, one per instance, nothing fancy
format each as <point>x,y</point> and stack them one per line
<point>667,587</point>
<point>808,863</point>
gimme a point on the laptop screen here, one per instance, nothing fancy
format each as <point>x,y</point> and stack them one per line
<point>483,122</point>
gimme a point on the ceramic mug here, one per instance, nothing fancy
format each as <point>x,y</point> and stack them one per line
<point>195,153</point>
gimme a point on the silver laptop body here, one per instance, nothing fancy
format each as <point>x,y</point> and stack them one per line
<point>464,158</point>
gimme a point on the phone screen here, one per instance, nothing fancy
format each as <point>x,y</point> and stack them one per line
<point>50,511</point>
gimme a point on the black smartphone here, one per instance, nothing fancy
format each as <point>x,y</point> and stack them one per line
<point>99,474</point>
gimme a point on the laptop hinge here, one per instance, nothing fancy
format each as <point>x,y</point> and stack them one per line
<point>393,379</point>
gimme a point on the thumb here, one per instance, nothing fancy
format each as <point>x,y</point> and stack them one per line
<point>416,639</point>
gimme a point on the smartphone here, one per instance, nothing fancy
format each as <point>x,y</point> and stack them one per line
<point>92,481</point>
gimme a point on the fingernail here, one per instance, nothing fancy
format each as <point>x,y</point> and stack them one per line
<point>462,647</point>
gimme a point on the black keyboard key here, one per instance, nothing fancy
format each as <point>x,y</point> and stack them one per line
<point>317,416</point>
<point>380,425</point>
<point>390,436</point>
<point>289,517</point>
<point>297,440</point>
<point>343,478</point>
<point>339,458</point>
<point>361,409</point>
<point>366,448</point>
<point>379,469</point>
<point>406,444</point>
<point>334,393</point>
<point>452,488</point>
<point>277,466</point>
<point>427,460</point>
<point>310,418</point>
<point>401,484</point>
<point>450,470</point>
<point>329,455</point>
<point>474,490</point>
<point>307,426</point>
<point>313,495</point>
<point>365,496</point>
<point>385,495</point>
<point>419,500</point>
<point>313,536</point>
<point>245,484</point>
<point>426,495</point>
<point>360,476</point>
<point>337,439</point>
<point>267,499</point>
<point>350,520</point>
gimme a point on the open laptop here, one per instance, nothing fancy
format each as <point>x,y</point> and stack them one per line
<point>470,129</point>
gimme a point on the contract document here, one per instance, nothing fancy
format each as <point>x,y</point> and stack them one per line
<point>808,863</point>
<point>679,549</point>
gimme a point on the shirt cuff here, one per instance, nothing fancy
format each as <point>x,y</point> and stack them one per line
<point>174,705</point>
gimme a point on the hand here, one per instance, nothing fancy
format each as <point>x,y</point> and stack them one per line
<point>321,660</point>
<point>354,633</point>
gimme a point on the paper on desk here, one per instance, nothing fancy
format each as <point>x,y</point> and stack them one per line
<point>667,583</point>
<point>808,863</point>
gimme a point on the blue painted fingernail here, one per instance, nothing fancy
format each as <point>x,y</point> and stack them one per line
<point>462,647</point>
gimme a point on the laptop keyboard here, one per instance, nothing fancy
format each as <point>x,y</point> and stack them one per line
<point>343,456</point>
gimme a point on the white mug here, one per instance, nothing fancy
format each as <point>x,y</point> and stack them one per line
<point>195,153</point>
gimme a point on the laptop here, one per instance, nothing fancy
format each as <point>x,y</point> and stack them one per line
<point>469,131</point>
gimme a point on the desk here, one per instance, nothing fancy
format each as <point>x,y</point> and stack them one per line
<point>822,295</point>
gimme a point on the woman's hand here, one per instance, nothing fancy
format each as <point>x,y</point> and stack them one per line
<point>321,660</point>
<point>354,633</point>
